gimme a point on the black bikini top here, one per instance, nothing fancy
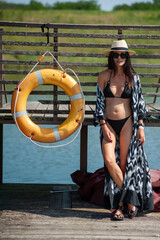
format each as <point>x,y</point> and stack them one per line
<point>127,92</point>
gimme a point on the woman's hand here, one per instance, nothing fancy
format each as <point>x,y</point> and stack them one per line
<point>106,133</point>
<point>140,136</point>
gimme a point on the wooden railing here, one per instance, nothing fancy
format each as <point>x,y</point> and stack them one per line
<point>81,48</point>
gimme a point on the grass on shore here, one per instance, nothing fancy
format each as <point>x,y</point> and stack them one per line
<point>83,17</point>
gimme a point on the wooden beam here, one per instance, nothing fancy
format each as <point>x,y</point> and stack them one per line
<point>81,26</point>
<point>157,89</point>
<point>1,125</point>
<point>83,148</point>
<point>1,153</point>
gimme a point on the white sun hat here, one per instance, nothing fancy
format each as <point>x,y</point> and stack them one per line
<point>119,45</point>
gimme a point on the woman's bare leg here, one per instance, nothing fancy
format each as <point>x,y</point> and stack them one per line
<point>125,139</point>
<point>108,151</point>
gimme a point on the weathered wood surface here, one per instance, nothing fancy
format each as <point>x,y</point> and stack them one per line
<point>25,214</point>
<point>93,74</point>
<point>80,35</point>
<point>44,110</point>
<point>80,45</point>
<point>69,54</point>
<point>69,64</point>
<point>82,26</point>
<point>77,223</point>
<point>81,50</point>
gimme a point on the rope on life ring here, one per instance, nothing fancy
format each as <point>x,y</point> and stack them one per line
<point>25,87</point>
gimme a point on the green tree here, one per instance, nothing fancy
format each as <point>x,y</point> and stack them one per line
<point>79,5</point>
<point>139,6</point>
<point>34,5</point>
<point>156,2</point>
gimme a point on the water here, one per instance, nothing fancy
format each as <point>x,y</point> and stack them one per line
<point>26,163</point>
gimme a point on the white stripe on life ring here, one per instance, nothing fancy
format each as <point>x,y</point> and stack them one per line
<point>20,114</point>
<point>56,134</point>
<point>76,96</point>
<point>39,77</point>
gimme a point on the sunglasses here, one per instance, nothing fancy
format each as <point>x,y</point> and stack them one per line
<point>122,55</point>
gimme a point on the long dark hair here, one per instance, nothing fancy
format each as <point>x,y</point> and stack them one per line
<point>127,68</point>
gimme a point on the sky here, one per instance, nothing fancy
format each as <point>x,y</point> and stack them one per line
<point>106,5</point>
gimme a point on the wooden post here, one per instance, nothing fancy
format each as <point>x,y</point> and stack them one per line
<point>1,68</point>
<point>119,33</point>
<point>1,125</point>
<point>83,148</point>
<point>1,153</point>
<point>154,101</point>
<point>55,66</point>
<point>55,48</point>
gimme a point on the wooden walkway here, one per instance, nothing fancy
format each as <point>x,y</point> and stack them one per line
<point>77,223</point>
<point>25,213</point>
<point>40,111</point>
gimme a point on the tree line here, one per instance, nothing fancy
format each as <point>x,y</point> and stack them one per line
<point>79,5</point>
<point>155,5</point>
<point>35,5</point>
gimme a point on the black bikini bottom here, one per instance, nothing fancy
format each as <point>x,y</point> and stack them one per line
<point>117,125</point>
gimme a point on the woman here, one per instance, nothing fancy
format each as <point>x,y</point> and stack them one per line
<point>120,110</point>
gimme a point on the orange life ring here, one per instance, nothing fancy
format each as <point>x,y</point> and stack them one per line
<point>55,77</point>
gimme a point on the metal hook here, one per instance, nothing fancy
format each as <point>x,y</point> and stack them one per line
<point>47,34</point>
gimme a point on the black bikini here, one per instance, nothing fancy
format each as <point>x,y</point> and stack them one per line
<point>117,125</point>
<point>127,92</point>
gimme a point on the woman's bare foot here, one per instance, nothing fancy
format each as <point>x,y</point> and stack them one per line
<point>118,215</point>
<point>132,211</point>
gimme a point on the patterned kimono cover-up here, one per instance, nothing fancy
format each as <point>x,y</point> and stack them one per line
<point>137,187</point>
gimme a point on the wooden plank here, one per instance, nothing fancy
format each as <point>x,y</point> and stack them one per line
<point>77,64</point>
<point>149,94</point>
<point>150,85</point>
<point>80,45</point>
<point>48,92</point>
<point>72,54</point>
<point>47,115</point>
<point>84,221</point>
<point>88,84</point>
<point>81,26</point>
<point>62,102</point>
<point>85,74</point>
<point>152,124</point>
<point>39,106</point>
<point>35,92</point>
<point>154,106</point>
<point>81,35</point>
<point>26,214</point>
<point>1,153</point>
<point>61,108</point>
<point>89,110</point>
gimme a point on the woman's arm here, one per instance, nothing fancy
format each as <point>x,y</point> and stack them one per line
<point>99,113</point>
<point>142,110</point>
<point>140,132</point>
<point>142,114</point>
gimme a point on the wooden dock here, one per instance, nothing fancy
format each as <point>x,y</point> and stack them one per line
<point>23,44</point>
<point>25,209</point>
<point>36,111</point>
<point>25,213</point>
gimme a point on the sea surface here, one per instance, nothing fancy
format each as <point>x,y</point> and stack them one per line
<point>25,162</point>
